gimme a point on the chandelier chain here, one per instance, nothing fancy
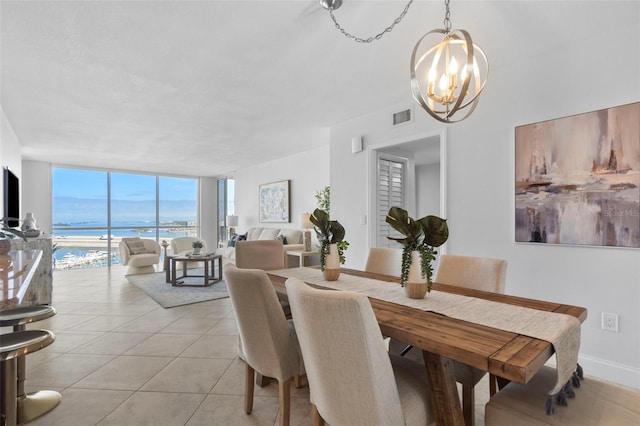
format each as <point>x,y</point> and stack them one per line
<point>447,17</point>
<point>377,36</point>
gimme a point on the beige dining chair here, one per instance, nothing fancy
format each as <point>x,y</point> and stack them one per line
<point>382,260</point>
<point>267,255</point>
<point>352,379</point>
<point>479,273</point>
<point>269,341</point>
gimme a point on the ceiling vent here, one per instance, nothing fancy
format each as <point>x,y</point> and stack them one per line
<point>402,117</point>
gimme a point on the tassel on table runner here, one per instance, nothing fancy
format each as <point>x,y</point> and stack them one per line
<point>567,391</point>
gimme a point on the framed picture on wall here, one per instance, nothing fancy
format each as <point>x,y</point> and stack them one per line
<point>577,179</point>
<point>274,201</point>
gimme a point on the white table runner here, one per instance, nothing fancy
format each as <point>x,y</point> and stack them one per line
<point>561,330</point>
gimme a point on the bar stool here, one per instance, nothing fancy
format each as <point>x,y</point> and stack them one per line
<point>37,403</point>
<point>14,346</point>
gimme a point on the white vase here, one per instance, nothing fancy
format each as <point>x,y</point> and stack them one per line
<point>29,223</point>
<point>196,250</point>
<point>332,264</point>
<point>416,286</point>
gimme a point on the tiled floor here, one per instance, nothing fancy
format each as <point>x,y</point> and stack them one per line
<point>121,359</point>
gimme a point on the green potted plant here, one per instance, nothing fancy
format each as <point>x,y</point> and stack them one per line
<point>332,244</point>
<point>421,237</point>
<point>197,245</point>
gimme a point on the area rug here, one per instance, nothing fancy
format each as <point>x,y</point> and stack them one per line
<point>156,287</point>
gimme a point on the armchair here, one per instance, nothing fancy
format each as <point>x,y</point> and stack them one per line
<point>182,245</point>
<point>140,255</point>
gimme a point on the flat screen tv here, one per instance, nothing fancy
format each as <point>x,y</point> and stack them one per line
<point>11,198</point>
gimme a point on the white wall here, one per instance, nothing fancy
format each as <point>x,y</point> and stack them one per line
<point>531,84</point>
<point>36,193</point>
<point>308,172</point>
<point>428,190</point>
<point>10,156</point>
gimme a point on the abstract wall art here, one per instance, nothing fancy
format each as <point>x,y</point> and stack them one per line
<point>577,179</point>
<point>274,202</point>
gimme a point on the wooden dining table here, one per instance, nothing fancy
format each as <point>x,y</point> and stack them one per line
<point>506,355</point>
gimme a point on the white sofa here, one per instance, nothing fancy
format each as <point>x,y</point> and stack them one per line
<point>293,236</point>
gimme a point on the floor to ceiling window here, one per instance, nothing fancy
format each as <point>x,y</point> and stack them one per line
<point>226,207</point>
<point>93,210</point>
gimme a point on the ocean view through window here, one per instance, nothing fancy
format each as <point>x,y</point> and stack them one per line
<point>94,209</point>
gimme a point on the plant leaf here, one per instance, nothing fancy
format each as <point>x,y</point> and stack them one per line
<point>436,231</point>
<point>400,220</point>
<point>337,231</point>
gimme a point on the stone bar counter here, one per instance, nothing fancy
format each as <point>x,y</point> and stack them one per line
<point>42,285</point>
<point>17,270</point>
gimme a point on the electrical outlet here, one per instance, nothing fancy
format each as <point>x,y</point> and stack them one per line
<point>610,322</point>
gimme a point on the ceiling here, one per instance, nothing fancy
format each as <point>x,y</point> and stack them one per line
<point>204,88</point>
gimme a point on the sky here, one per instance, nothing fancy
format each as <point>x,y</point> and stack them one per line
<point>90,184</point>
<point>81,195</point>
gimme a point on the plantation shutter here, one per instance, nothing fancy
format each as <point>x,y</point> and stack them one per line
<point>391,175</point>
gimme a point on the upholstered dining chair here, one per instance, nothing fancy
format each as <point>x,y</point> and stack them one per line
<point>382,260</point>
<point>269,341</point>
<point>352,379</point>
<point>267,255</point>
<point>479,273</point>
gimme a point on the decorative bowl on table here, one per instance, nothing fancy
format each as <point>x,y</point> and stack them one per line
<point>32,233</point>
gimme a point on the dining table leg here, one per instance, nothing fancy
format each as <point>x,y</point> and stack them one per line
<point>444,391</point>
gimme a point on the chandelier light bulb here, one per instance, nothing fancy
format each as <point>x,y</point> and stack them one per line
<point>443,84</point>
<point>453,66</point>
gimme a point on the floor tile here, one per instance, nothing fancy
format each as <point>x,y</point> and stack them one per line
<point>65,370</point>
<point>208,346</point>
<point>188,375</point>
<point>190,325</point>
<point>124,373</point>
<point>225,410</point>
<point>224,327</point>
<point>154,409</point>
<point>112,343</point>
<point>146,324</point>
<point>163,345</point>
<point>67,341</point>
<point>61,322</point>
<point>82,407</point>
<point>104,323</point>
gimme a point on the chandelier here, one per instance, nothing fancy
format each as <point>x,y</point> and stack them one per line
<point>449,76</point>
<point>445,78</point>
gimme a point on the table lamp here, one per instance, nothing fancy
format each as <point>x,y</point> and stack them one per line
<point>305,222</point>
<point>232,222</point>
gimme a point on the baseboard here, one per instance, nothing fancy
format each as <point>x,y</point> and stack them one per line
<point>613,372</point>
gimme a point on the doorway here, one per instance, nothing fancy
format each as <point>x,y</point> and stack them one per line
<point>417,163</point>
